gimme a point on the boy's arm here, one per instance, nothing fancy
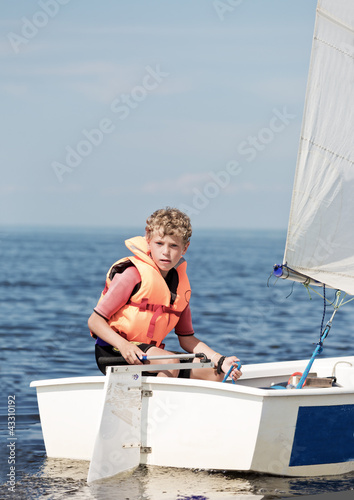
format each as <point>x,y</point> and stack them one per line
<point>187,340</point>
<point>190,343</point>
<point>119,292</point>
<point>99,326</point>
<point>116,297</point>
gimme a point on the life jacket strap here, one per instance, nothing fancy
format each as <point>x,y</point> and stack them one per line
<point>157,309</point>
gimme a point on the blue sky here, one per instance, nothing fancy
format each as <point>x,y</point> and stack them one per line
<point>113,109</point>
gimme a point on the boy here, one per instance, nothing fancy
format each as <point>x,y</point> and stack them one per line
<point>147,295</point>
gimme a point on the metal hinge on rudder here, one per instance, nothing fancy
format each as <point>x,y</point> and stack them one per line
<point>143,449</point>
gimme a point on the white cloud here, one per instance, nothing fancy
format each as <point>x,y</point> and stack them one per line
<point>68,70</point>
<point>13,189</point>
<point>5,48</point>
<point>189,184</point>
<point>183,184</point>
<point>15,90</point>
<point>100,81</point>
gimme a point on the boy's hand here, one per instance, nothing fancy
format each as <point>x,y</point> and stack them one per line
<point>132,354</point>
<point>228,362</point>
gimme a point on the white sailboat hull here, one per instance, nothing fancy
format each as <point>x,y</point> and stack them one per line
<point>245,426</point>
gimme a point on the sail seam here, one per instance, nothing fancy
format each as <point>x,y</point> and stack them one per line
<point>305,270</point>
<point>334,20</point>
<point>323,271</point>
<point>327,150</point>
<point>334,47</point>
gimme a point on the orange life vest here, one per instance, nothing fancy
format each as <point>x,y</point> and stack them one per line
<point>149,316</point>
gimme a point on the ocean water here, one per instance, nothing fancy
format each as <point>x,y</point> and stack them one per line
<point>50,280</point>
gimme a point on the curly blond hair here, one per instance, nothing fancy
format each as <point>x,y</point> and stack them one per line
<point>170,222</point>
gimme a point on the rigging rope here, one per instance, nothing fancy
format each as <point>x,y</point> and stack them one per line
<point>324,308</point>
<point>336,303</point>
<point>319,346</point>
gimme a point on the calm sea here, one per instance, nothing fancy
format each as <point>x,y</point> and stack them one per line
<point>49,283</point>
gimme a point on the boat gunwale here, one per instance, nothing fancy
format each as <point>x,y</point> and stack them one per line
<point>227,388</point>
<point>90,379</point>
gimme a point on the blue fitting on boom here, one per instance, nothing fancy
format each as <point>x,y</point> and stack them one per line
<point>278,270</point>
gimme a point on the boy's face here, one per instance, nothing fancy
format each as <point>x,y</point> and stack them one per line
<point>166,251</point>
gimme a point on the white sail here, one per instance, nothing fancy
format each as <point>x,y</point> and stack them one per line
<point>320,239</point>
